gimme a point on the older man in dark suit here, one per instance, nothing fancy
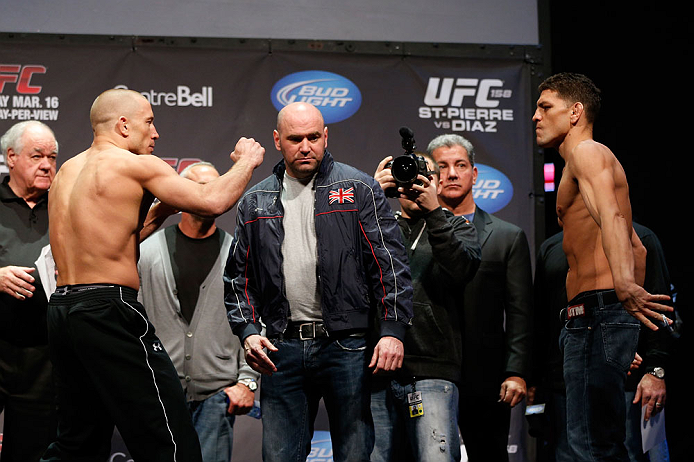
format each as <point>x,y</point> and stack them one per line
<point>497,307</point>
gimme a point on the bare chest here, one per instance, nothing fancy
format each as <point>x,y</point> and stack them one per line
<point>568,197</point>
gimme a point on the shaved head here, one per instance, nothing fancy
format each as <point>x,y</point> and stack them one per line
<point>199,169</point>
<point>112,104</point>
<point>125,118</point>
<point>302,138</point>
<point>303,111</point>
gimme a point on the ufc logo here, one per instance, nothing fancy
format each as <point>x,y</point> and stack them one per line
<point>179,165</point>
<point>450,91</point>
<point>21,75</point>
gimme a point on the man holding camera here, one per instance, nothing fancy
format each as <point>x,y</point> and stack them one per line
<point>444,253</point>
<point>497,302</point>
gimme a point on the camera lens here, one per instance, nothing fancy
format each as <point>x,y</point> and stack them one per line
<point>404,169</point>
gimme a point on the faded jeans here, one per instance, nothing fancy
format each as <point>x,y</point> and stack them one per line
<point>432,436</point>
<point>215,427</point>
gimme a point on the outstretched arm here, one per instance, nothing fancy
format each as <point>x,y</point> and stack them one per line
<point>209,199</point>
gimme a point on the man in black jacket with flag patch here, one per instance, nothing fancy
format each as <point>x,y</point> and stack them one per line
<point>316,252</point>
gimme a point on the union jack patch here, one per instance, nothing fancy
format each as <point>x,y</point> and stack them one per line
<point>342,195</point>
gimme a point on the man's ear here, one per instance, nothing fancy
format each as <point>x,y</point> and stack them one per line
<point>576,112</point>
<point>122,126</point>
<point>10,158</point>
<point>276,138</point>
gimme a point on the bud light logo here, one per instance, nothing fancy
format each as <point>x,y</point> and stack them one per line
<point>493,190</point>
<point>321,448</point>
<point>336,97</point>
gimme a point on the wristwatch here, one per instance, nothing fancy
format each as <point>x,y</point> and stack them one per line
<point>657,372</point>
<point>250,383</point>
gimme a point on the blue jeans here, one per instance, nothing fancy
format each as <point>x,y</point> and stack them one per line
<point>215,427</point>
<point>308,370</point>
<point>563,453</point>
<point>562,450</point>
<point>598,349</point>
<point>432,436</point>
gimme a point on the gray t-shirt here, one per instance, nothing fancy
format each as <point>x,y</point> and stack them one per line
<point>299,250</point>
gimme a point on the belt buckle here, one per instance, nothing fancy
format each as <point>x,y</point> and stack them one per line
<point>301,330</point>
<point>576,311</point>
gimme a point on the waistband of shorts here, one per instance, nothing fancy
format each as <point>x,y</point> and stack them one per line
<point>81,292</point>
<point>586,303</point>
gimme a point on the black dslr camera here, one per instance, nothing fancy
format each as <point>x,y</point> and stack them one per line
<point>406,167</point>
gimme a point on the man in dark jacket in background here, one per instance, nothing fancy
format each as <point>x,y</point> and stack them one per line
<point>316,251</point>
<point>497,328</point>
<point>444,254</point>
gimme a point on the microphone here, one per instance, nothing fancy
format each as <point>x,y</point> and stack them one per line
<point>407,140</point>
<point>405,132</point>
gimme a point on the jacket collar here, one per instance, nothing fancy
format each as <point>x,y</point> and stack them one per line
<point>481,220</point>
<point>324,169</point>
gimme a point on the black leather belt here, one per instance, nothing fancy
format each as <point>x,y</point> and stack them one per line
<point>305,330</point>
<point>585,303</point>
